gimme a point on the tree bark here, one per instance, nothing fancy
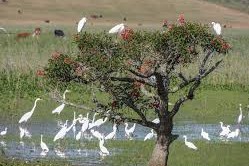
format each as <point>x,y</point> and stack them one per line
<point>161,151</point>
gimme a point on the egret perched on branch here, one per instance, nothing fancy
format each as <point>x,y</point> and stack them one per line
<point>44,147</point>
<point>205,134</point>
<point>217,28</point>
<point>81,24</point>
<point>28,115</point>
<point>117,29</point>
<point>189,144</point>
<point>4,132</point>
<point>61,107</point>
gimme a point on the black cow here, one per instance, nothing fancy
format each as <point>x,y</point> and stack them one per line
<point>59,33</point>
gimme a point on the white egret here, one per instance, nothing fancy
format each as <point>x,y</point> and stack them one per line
<point>3,29</point>
<point>81,24</point>
<point>44,147</point>
<point>225,129</point>
<point>85,125</point>
<point>240,115</point>
<point>233,134</point>
<point>205,135</point>
<point>129,132</point>
<point>91,124</point>
<point>156,121</point>
<point>24,132</point>
<point>101,121</point>
<point>28,115</point>
<point>78,136</point>
<point>74,128</point>
<point>103,149</point>
<point>117,29</point>
<point>96,134</point>
<point>61,134</point>
<point>149,135</point>
<point>4,132</point>
<point>189,144</point>
<point>217,28</point>
<point>112,134</point>
<point>61,107</point>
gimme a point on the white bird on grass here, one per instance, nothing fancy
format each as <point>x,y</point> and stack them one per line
<point>225,129</point>
<point>4,132</point>
<point>217,28</point>
<point>117,29</point>
<point>81,24</point>
<point>61,107</point>
<point>205,135</point>
<point>44,147</point>
<point>3,29</point>
<point>61,134</point>
<point>233,134</point>
<point>103,149</point>
<point>112,134</point>
<point>129,132</point>
<point>28,115</point>
<point>189,144</point>
<point>149,135</point>
<point>240,115</point>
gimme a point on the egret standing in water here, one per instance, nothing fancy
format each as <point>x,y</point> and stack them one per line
<point>240,115</point>
<point>4,132</point>
<point>149,135</point>
<point>61,107</point>
<point>28,115</point>
<point>103,149</point>
<point>205,135</point>
<point>129,132</point>
<point>44,147</point>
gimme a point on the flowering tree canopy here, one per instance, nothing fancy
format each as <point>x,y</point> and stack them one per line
<point>139,70</point>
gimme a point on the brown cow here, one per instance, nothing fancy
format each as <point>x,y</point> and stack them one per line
<point>36,33</point>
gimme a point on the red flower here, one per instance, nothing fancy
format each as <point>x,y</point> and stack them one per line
<point>165,23</point>
<point>40,73</point>
<point>181,19</point>
<point>68,61</point>
<point>55,55</point>
<point>127,34</point>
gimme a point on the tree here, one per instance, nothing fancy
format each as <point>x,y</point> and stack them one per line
<point>141,70</point>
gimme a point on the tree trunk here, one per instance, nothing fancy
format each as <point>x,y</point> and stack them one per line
<point>161,151</point>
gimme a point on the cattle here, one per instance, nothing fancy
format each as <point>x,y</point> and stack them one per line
<point>36,33</point>
<point>59,33</point>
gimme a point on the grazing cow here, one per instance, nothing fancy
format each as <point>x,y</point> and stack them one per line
<point>59,33</point>
<point>36,33</point>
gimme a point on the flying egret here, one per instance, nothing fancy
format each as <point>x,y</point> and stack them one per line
<point>103,149</point>
<point>101,121</point>
<point>81,24</point>
<point>189,144</point>
<point>205,134</point>
<point>44,147</point>
<point>4,132</point>
<point>61,134</point>
<point>217,28</point>
<point>28,115</point>
<point>112,134</point>
<point>129,132</point>
<point>233,134</point>
<point>240,115</point>
<point>149,135</point>
<point>117,29</point>
<point>61,107</point>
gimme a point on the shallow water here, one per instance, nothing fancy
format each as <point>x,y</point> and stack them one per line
<point>31,151</point>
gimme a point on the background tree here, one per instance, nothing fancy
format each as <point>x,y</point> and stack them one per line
<point>141,70</point>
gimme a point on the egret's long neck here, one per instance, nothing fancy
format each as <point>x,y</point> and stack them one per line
<point>185,139</point>
<point>64,95</point>
<point>94,117</point>
<point>34,106</point>
<point>41,138</point>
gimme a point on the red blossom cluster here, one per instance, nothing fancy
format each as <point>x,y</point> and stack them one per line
<point>181,19</point>
<point>165,23</point>
<point>40,73</point>
<point>55,55</point>
<point>127,34</point>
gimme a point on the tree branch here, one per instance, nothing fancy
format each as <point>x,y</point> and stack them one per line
<point>132,80</point>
